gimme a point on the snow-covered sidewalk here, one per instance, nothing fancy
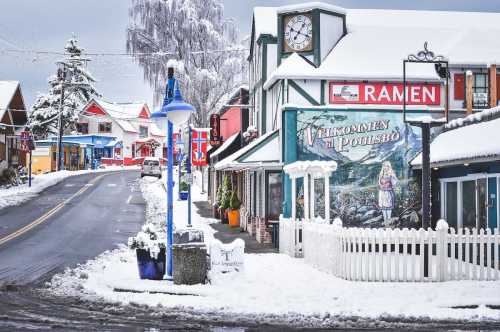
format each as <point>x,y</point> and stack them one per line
<point>274,287</point>
<point>22,193</point>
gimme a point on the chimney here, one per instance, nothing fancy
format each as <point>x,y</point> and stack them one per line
<point>469,81</point>
<point>493,85</point>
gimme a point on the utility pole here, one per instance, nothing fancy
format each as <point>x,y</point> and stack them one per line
<point>60,123</point>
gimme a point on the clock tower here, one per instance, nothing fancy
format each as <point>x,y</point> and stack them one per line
<point>310,29</point>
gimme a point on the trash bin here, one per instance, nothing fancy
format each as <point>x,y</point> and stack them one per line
<point>190,263</point>
<point>189,257</point>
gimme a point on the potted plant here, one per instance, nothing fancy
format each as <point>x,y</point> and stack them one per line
<point>225,198</point>
<point>183,191</point>
<point>216,204</point>
<point>234,213</point>
<point>149,246</point>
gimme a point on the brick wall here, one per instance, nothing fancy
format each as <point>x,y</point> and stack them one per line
<point>262,235</point>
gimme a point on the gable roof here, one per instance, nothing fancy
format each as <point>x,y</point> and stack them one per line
<point>11,97</point>
<point>122,113</point>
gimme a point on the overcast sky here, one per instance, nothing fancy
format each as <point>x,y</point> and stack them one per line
<point>100,26</point>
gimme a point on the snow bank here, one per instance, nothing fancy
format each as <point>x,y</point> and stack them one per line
<point>22,193</point>
<point>273,288</point>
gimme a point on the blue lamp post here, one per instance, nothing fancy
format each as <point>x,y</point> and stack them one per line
<point>176,112</point>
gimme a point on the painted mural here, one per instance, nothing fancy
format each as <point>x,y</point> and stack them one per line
<point>372,186</point>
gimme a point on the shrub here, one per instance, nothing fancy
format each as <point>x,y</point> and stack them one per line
<point>183,186</point>
<point>234,203</point>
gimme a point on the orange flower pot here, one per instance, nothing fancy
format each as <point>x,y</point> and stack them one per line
<point>234,218</point>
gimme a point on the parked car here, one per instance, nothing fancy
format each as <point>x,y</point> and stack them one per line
<point>151,167</point>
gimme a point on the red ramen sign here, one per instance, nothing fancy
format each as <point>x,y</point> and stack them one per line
<point>385,93</point>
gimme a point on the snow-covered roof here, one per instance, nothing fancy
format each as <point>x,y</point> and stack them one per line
<point>295,66</point>
<point>122,110</point>
<point>7,91</point>
<point>265,153</point>
<point>124,114</point>
<point>225,145</point>
<point>303,7</point>
<point>155,131</point>
<point>378,40</point>
<point>477,141</point>
<point>472,118</point>
<point>265,21</point>
<point>314,167</point>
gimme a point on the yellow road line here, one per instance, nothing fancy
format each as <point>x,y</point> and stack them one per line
<point>49,213</point>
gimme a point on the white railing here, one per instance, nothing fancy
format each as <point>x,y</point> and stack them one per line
<point>290,237</point>
<point>398,254</point>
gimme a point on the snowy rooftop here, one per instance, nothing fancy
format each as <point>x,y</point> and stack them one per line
<point>7,91</point>
<point>265,20</point>
<point>302,7</point>
<point>386,37</point>
<point>477,141</point>
<point>264,154</point>
<point>122,110</point>
<point>295,65</point>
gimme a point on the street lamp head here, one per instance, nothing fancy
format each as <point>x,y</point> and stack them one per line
<point>178,111</point>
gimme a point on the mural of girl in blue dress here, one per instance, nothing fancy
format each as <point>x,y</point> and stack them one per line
<point>387,181</point>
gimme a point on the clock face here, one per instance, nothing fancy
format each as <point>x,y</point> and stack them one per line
<point>298,33</point>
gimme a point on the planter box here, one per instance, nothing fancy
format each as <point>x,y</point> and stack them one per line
<point>149,267</point>
<point>183,195</point>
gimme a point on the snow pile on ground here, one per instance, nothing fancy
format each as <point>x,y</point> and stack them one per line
<point>273,288</point>
<point>22,193</point>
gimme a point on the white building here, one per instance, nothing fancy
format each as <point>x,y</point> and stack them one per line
<point>328,81</point>
<point>137,136</point>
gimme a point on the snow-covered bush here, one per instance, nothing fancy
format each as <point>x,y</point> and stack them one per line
<point>150,238</point>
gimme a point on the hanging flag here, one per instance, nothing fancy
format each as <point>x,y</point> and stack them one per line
<point>199,147</point>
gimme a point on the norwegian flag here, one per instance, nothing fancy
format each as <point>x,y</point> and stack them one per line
<point>199,141</point>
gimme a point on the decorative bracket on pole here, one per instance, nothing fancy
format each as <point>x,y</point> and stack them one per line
<point>426,56</point>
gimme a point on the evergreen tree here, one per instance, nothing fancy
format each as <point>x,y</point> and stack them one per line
<point>194,33</point>
<point>43,117</point>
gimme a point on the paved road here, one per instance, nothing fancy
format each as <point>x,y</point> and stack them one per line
<point>69,223</point>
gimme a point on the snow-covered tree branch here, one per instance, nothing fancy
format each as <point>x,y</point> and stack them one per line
<point>196,34</point>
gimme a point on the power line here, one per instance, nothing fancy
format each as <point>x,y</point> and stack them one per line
<point>117,54</point>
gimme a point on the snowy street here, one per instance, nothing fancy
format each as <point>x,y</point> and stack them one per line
<point>277,289</point>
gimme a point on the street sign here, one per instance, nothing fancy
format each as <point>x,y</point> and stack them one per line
<point>27,141</point>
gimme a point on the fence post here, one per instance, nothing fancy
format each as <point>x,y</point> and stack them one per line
<point>442,249</point>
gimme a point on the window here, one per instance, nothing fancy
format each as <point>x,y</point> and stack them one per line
<point>469,204</point>
<point>143,131</point>
<point>451,203</point>
<point>105,127</point>
<point>82,128</point>
<point>480,90</point>
<point>274,199</point>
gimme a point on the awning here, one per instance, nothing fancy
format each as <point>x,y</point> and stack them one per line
<point>263,153</point>
<point>146,140</point>
<point>113,144</point>
<point>477,142</point>
<point>231,145</point>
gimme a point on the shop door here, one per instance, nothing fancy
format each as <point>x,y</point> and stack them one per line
<point>144,151</point>
<point>482,203</point>
<point>492,203</point>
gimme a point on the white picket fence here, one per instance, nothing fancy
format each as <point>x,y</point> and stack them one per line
<point>290,237</point>
<point>394,254</point>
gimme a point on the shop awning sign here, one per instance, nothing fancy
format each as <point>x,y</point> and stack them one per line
<point>381,93</point>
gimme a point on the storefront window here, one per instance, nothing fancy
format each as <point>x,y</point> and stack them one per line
<point>274,196</point>
<point>469,204</point>
<point>451,203</point>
